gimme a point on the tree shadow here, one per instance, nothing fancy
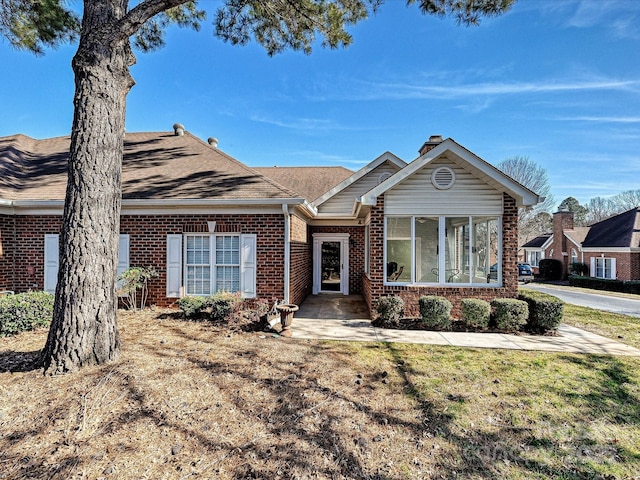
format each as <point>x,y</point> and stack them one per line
<point>14,362</point>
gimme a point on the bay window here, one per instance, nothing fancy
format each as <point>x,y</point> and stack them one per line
<point>443,250</point>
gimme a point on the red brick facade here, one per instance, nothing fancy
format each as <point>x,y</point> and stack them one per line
<point>374,288</point>
<point>22,260</point>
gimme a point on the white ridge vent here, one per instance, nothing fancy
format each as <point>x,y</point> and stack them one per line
<point>443,178</point>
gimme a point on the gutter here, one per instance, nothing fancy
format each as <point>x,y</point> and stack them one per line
<point>287,251</point>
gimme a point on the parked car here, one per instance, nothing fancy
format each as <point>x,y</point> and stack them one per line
<point>525,273</point>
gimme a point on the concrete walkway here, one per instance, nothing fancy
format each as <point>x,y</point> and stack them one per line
<point>338,317</point>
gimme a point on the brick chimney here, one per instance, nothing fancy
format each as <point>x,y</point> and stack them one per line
<point>562,220</point>
<point>434,141</point>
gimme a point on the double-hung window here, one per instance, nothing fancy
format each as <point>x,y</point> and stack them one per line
<point>443,249</point>
<point>212,264</point>
<point>603,267</point>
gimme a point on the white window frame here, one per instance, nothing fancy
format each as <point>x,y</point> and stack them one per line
<point>212,262</point>
<point>603,260</point>
<point>534,257</point>
<point>177,266</point>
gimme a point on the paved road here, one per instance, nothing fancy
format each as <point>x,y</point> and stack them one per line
<point>599,301</point>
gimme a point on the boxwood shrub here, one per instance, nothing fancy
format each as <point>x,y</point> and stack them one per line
<point>545,311</point>
<point>217,307</point>
<point>550,269</point>
<point>476,313</point>
<point>509,314</point>
<point>390,310</point>
<point>25,311</point>
<point>435,311</point>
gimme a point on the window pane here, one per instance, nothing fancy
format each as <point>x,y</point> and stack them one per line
<point>197,250</point>
<point>485,250</point>
<point>227,279</point>
<point>456,250</point>
<point>399,249</point>
<point>426,232</point>
<point>227,250</point>
<point>198,280</point>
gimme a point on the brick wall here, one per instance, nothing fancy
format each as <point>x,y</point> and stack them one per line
<point>627,264</point>
<point>374,287</point>
<point>301,278</point>
<point>356,252</point>
<point>147,248</point>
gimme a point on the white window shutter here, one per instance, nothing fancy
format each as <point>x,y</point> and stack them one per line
<point>174,266</point>
<point>123,257</point>
<point>248,257</point>
<point>51,261</point>
<point>592,273</point>
<point>614,274</point>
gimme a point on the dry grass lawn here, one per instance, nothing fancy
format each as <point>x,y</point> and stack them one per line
<point>194,400</point>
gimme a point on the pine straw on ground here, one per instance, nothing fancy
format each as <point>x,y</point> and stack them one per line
<point>195,400</point>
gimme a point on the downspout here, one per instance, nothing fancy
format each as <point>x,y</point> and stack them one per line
<point>287,251</point>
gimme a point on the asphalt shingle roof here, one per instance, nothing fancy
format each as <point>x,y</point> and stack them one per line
<point>310,182</point>
<point>622,230</point>
<point>156,165</point>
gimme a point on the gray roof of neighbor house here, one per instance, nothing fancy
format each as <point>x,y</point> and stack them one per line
<point>622,230</point>
<point>310,182</point>
<point>537,242</point>
<point>156,165</point>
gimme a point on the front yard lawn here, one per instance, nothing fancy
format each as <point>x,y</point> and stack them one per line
<point>193,400</point>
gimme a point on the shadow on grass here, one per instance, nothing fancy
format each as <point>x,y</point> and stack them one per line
<point>480,454</point>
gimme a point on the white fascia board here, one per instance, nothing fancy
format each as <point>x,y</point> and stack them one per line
<point>523,195</point>
<point>158,207</point>
<point>572,240</point>
<point>386,156</point>
<point>611,249</point>
<point>548,243</point>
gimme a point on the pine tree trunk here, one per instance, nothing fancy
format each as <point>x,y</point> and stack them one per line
<point>84,330</point>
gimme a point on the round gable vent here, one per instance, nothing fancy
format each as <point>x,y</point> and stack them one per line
<point>443,178</point>
<point>383,177</point>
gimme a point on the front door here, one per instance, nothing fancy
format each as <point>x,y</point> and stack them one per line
<point>331,266</point>
<point>330,263</point>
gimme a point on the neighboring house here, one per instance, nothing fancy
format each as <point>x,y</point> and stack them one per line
<point>207,222</point>
<point>610,248</point>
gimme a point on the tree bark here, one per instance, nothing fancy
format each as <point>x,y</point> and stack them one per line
<point>84,330</point>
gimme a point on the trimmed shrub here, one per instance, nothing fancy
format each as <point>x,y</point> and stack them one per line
<point>608,284</point>
<point>25,311</point>
<point>193,307</point>
<point>476,312</point>
<point>545,311</point>
<point>222,305</point>
<point>435,311</point>
<point>390,310</point>
<point>509,314</point>
<point>550,269</point>
<point>578,268</point>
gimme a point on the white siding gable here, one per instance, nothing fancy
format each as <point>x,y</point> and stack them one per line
<point>342,203</point>
<point>469,195</point>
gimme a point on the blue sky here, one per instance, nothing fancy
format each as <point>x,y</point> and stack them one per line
<point>556,81</point>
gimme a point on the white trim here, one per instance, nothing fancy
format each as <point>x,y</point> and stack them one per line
<point>287,252</point>
<point>318,239</point>
<point>611,249</point>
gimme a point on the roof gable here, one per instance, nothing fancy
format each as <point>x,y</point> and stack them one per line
<point>468,160</point>
<point>371,166</point>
